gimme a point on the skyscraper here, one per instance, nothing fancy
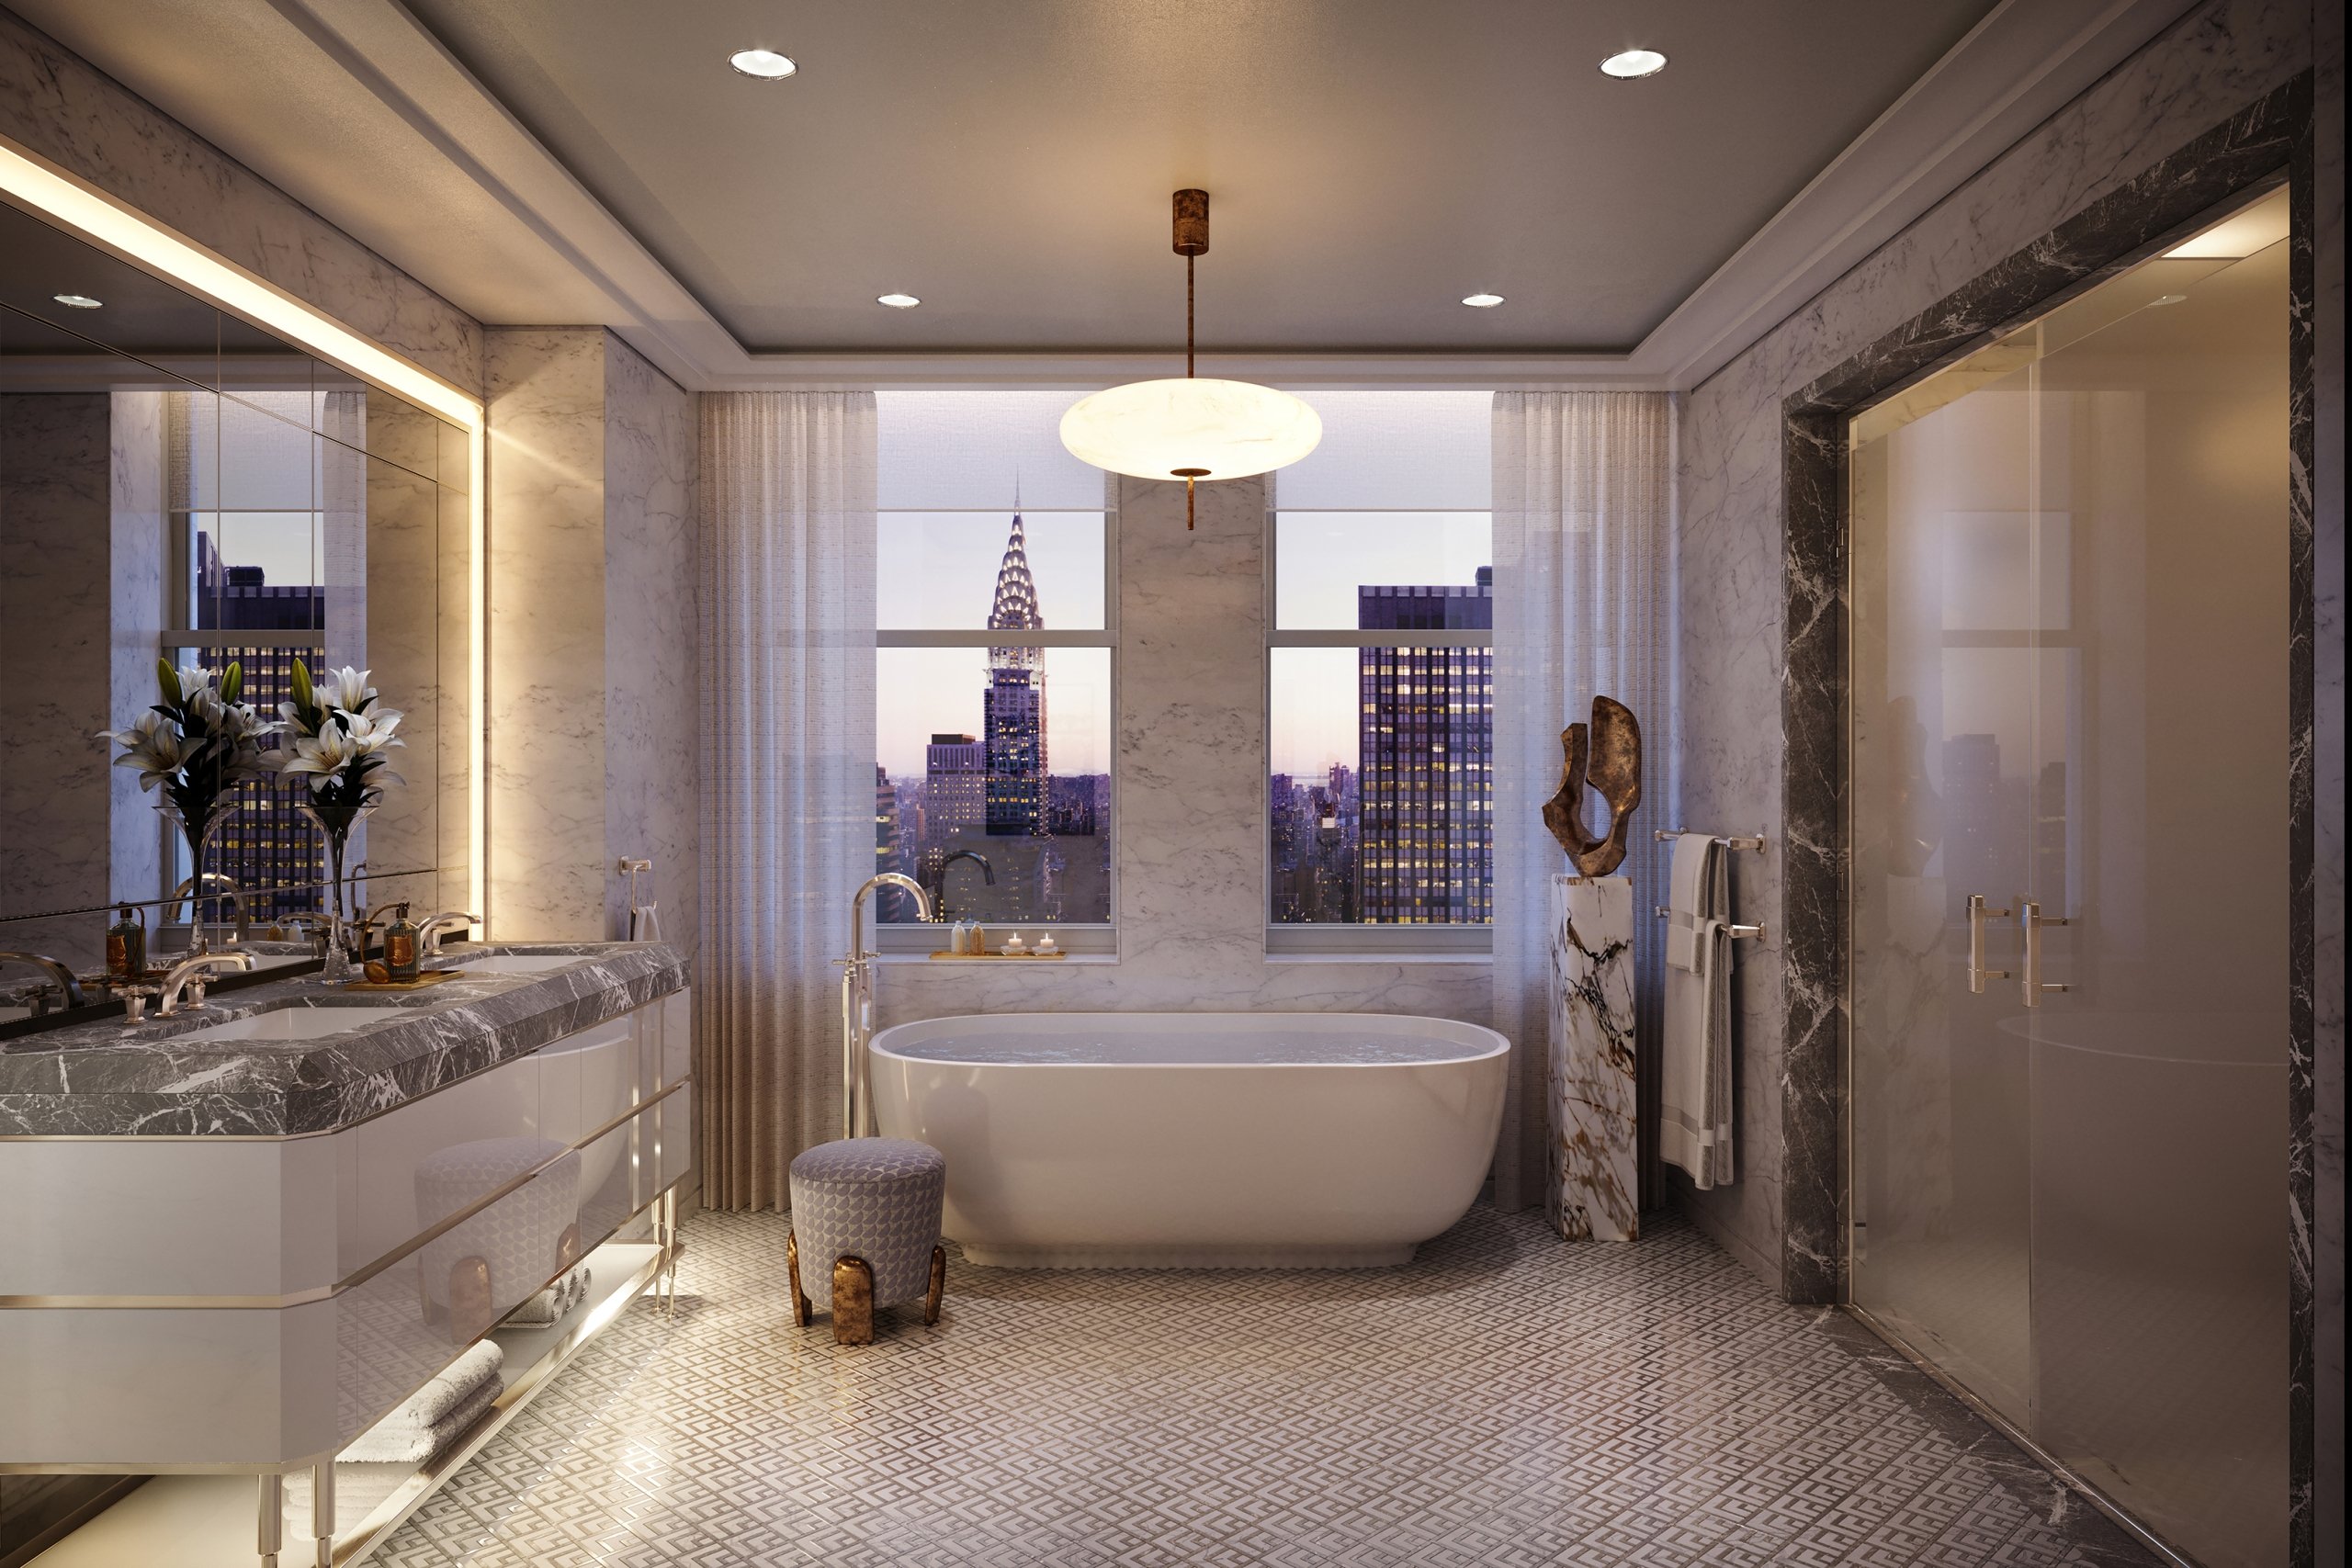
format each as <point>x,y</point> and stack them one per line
<point>1425,759</point>
<point>266,842</point>
<point>1014,710</point>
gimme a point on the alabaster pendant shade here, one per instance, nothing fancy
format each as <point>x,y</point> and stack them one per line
<point>1206,428</point>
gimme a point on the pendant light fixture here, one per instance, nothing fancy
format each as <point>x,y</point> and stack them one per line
<point>1197,428</point>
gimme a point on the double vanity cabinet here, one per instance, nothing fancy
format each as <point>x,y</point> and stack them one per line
<point>233,1240</point>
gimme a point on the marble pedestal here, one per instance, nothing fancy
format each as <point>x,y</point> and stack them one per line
<point>1591,1195</point>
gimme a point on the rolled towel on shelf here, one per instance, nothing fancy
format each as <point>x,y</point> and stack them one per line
<point>436,1415</point>
<point>554,1303</point>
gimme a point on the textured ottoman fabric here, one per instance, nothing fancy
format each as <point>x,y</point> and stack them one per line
<point>878,1199</point>
<point>518,1235</point>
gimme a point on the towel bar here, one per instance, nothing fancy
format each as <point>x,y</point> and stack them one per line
<point>1661,912</point>
<point>1756,843</point>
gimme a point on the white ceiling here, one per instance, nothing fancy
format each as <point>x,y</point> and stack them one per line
<point>1009,160</point>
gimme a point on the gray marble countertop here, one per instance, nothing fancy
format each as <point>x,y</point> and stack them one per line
<point>112,1079</point>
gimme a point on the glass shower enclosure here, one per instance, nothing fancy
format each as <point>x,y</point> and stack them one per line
<point>2070,887</point>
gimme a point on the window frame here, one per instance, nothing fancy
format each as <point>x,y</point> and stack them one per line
<point>1331,941</point>
<point>1078,939</point>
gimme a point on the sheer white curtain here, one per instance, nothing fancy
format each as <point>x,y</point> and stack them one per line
<point>1583,519</point>
<point>789,757</point>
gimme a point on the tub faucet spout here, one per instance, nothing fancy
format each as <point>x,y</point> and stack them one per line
<point>857,991</point>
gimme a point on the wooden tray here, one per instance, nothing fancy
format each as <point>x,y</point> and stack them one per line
<point>428,977</point>
<point>1016,956</point>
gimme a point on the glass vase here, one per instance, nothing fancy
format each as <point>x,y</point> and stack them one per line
<point>202,835</point>
<point>335,825</point>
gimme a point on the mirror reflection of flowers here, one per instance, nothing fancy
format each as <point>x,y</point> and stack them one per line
<point>196,744</point>
<point>340,732</point>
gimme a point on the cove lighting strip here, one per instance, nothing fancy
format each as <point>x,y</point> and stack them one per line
<point>76,204</point>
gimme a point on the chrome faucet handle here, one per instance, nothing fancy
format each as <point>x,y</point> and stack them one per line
<point>430,930</point>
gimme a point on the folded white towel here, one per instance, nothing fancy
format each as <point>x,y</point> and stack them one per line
<point>454,1385</point>
<point>1688,884</point>
<point>1695,1066</point>
<point>395,1441</point>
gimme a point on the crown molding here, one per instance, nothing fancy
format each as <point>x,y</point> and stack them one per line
<point>2024,61</point>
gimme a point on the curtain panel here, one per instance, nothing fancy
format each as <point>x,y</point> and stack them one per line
<point>787,581</point>
<point>1583,520</point>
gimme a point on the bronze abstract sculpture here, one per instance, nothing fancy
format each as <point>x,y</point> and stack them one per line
<point>1609,758</point>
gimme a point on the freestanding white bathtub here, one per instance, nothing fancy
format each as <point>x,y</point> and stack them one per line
<point>1197,1140</point>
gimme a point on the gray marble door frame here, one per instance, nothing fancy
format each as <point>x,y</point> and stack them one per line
<point>2267,143</point>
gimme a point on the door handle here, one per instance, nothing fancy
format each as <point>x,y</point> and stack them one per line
<point>1978,913</point>
<point>2031,916</point>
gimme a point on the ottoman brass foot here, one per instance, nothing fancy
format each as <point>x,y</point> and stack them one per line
<point>469,1300</point>
<point>802,1314</point>
<point>938,1285</point>
<point>852,1300</point>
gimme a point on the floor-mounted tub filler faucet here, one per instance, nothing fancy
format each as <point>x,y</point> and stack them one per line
<point>857,991</point>
<point>939,883</point>
<point>192,972</point>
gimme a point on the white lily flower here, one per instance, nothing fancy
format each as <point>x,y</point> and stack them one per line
<point>345,688</point>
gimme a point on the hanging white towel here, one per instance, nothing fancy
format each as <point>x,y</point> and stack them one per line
<point>1694,854</point>
<point>1695,1092</point>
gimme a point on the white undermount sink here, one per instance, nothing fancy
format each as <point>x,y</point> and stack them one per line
<point>284,1023</point>
<point>507,962</point>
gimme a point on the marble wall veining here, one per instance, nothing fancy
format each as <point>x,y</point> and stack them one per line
<point>1190,776</point>
<point>55,104</point>
<point>593,634</point>
<point>55,616</point>
<point>2214,61</point>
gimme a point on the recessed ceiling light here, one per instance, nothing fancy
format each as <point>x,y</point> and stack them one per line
<point>898,301</point>
<point>1482,301</point>
<point>1631,64</point>
<point>764,63</point>
<point>79,302</point>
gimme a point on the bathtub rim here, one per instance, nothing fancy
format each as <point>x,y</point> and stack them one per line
<point>1496,1045</point>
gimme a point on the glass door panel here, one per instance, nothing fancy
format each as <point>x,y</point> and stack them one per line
<point>2159,1077</point>
<point>2069,690</point>
<point>1943,585</point>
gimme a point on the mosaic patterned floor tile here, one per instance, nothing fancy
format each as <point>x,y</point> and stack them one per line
<point>1507,1400</point>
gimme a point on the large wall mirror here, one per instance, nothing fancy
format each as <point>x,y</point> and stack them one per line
<point>178,485</point>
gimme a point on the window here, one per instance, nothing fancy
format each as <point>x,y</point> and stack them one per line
<point>1380,676</point>
<point>993,666</point>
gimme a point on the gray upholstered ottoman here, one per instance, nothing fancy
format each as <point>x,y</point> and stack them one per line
<point>866,1214</point>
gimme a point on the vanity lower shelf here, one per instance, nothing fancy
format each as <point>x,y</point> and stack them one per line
<point>207,1521</point>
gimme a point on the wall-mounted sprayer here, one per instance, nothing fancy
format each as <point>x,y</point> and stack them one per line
<point>644,916</point>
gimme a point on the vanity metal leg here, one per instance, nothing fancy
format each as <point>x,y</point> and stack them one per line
<point>272,1534</point>
<point>322,1511</point>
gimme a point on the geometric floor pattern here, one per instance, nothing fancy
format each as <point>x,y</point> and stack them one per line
<point>1504,1400</point>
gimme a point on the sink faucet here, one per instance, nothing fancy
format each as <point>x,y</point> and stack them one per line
<point>220,889</point>
<point>857,988</point>
<point>428,934</point>
<point>939,884</point>
<point>192,970</point>
<point>58,973</point>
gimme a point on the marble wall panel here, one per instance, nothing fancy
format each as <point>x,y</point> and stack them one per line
<point>1190,775</point>
<point>593,634</point>
<point>546,633</point>
<point>57,104</point>
<point>2327,785</point>
<point>1785,1210</point>
<point>139,492</point>
<point>401,509</point>
<point>653,637</point>
<point>55,609</point>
